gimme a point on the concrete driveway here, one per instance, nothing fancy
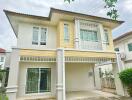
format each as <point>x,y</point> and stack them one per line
<point>91,95</point>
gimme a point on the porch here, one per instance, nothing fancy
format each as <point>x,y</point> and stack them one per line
<point>80,95</point>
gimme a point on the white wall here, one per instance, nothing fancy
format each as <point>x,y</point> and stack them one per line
<point>77,77</point>
<point>122,44</point>
<point>22,79</point>
<point>25,37</point>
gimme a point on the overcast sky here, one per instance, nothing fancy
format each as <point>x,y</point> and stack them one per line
<point>42,7</point>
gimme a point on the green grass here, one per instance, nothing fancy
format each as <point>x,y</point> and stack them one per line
<point>3,97</point>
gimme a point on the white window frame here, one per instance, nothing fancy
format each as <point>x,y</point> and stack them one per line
<point>104,41</point>
<point>38,92</point>
<point>66,39</point>
<point>2,63</point>
<point>39,35</point>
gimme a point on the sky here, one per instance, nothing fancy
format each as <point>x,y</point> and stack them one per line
<point>42,8</point>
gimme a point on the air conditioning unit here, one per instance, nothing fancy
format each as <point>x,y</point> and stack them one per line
<point>123,56</point>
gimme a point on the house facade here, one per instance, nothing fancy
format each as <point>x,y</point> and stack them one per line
<point>123,44</point>
<point>57,54</point>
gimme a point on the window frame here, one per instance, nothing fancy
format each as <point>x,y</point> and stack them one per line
<point>104,40</point>
<point>2,62</point>
<point>39,35</point>
<point>91,33</point>
<point>128,46</point>
<point>39,70</point>
<point>66,39</point>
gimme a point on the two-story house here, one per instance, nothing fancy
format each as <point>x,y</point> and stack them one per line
<point>57,54</point>
<point>123,44</point>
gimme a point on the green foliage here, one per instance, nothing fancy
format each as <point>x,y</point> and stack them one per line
<point>68,1</point>
<point>112,12</point>
<point>110,5</point>
<point>3,97</point>
<point>126,78</point>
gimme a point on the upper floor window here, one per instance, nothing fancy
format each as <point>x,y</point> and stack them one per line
<point>66,33</point>
<point>39,36</point>
<point>106,37</point>
<point>130,46</point>
<point>117,49</point>
<point>88,35</point>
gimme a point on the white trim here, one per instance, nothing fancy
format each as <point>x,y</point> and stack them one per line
<point>39,34</point>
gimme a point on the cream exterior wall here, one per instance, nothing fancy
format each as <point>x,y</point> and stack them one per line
<point>22,79</point>
<point>77,77</point>
<point>25,33</point>
<point>122,44</point>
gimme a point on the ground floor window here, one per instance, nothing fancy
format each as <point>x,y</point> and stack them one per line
<point>38,80</point>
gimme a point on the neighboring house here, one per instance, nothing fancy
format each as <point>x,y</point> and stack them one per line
<point>123,44</point>
<point>4,59</point>
<point>57,54</point>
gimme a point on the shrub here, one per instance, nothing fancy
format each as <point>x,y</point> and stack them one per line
<point>126,78</point>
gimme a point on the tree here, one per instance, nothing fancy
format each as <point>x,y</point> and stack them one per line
<point>110,5</point>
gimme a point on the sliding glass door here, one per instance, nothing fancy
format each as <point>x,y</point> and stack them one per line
<point>38,80</point>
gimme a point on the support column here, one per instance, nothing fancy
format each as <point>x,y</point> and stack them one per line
<point>77,30</point>
<point>117,68</point>
<point>60,87</point>
<point>13,75</point>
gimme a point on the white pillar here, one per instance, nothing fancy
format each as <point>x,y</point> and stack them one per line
<point>13,75</point>
<point>60,87</point>
<point>117,68</point>
<point>77,30</point>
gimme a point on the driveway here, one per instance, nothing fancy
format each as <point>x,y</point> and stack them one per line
<point>92,95</point>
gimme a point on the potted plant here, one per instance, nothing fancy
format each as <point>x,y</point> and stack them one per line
<point>126,78</point>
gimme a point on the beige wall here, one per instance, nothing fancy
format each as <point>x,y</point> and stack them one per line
<point>77,77</point>
<point>25,37</point>
<point>122,44</point>
<point>22,78</point>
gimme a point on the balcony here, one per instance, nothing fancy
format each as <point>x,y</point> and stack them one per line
<point>89,45</point>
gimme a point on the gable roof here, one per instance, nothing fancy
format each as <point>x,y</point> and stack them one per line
<point>123,36</point>
<point>59,11</point>
<point>53,10</point>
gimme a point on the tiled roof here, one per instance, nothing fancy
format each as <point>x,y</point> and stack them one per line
<point>2,50</point>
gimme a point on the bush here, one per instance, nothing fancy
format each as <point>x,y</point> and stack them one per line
<point>126,78</point>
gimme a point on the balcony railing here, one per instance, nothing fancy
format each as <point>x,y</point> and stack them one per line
<point>89,45</point>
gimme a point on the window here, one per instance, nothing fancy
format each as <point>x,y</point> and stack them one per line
<point>43,36</point>
<point>88,35</point>
<point>66,33</point>
<point>106,37</point>
<point>1,59</point>
<point>35,35</point>
<point>38,80</point>
<point>39,36</point>
<point>117,49</point>
<point>130,46</point>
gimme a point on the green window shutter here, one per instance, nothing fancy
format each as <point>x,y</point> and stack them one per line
<point>130,46</point>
